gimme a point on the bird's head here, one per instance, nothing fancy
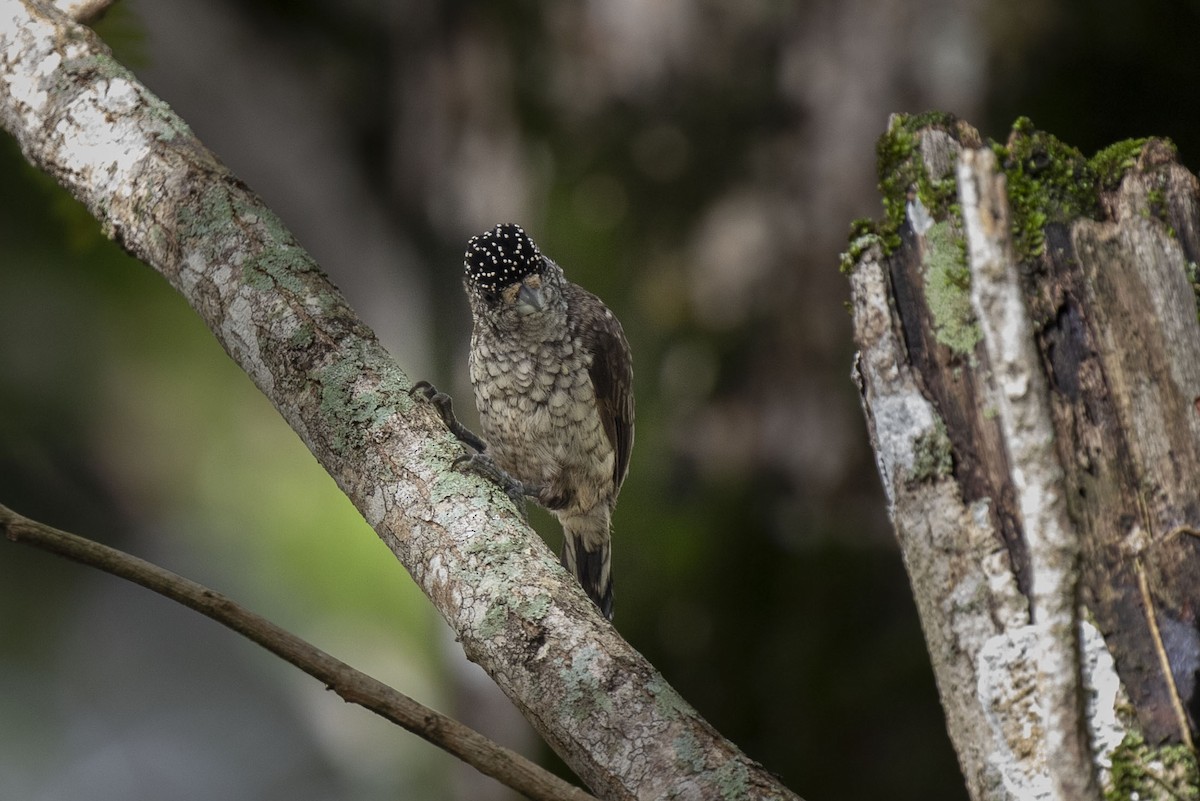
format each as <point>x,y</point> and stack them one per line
<point>507,278</point>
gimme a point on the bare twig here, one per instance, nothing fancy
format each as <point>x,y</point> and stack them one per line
<point>352,685</point>
<point>1023,401</point>
<point>85,12</point>
<point>1164,662</point>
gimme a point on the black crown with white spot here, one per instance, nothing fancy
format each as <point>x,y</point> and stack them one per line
<point>502,256</point>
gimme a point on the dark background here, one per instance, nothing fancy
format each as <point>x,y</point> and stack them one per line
<point>695,164</point>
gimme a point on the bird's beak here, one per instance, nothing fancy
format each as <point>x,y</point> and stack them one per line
<point>531,296</point>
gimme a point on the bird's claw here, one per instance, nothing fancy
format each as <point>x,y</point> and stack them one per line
<point>485,466</point>
<point>445,408</point>
<point>479,461</point>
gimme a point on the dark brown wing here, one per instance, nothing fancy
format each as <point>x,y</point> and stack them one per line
<point>611,373</point>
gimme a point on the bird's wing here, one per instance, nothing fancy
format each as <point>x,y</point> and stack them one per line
<point>612,380</point>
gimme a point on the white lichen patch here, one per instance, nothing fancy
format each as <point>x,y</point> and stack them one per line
<point>1008,693</point>
<point>192,271</point>
<point>1105,695</point>
<point>376,507</point>
<point>26,88</point>
<point>437,575</point>
<point>100,140</point>
<point>30,55</point>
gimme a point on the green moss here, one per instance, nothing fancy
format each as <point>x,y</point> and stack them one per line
<point>929,119</point>
<point>902,173</point>
<point>897,168</point>
<point>933,454</point>
<point>1142,772</point>
<point>948,289</point>
<point>1156,208</point>
<point>863,235</point>
<point>1110,164</point>
<point>1048,182</point>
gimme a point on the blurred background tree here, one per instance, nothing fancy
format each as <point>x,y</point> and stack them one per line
<point>695,164</point>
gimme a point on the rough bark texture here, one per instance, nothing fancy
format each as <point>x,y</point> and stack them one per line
<point>1039,449</point>
<point>85,120</point>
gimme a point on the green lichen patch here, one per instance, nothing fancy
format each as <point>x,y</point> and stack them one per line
<point>494,620</point>
<point>346,411</point>
<point>584,693</point>
<point>303,337</point>
<point>535,608</point>
<point>688,752</point>
<point>667,701</point>
<point>948,289</point>
<point>1143,772</point>
<point>733,781</point>
<point>933,454</point>
<point>206,216</point>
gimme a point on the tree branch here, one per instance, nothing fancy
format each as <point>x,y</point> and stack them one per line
<point>352,685</point>
<point>84,12</point>
<point>84,119</point>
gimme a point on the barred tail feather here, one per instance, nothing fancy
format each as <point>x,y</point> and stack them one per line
<point>593,569</point>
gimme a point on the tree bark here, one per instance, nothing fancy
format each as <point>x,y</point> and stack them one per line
<point>1029,364</point>
<point>85,120</point>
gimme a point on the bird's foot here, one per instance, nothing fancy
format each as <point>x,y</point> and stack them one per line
<point>445,407</point>
<point>485,466</point>
<point>479,461</point>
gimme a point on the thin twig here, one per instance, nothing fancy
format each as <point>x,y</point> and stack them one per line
<point>84,12</point>
<point>352,685</point>
<point>1185,730</point>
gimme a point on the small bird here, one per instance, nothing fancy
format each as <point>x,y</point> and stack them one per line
<point>553,382</point>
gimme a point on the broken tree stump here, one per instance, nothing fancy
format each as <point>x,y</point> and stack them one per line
<point>1029,366</point>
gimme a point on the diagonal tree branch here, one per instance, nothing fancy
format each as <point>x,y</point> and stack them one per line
<point>352,685</point>
<point>84,119</point>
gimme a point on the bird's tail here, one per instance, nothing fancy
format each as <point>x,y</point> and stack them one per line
<point>589,559</point>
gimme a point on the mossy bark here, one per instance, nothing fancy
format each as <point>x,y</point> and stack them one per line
<point>1104,252</point>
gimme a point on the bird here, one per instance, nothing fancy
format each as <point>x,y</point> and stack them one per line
<point>552,377</point>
